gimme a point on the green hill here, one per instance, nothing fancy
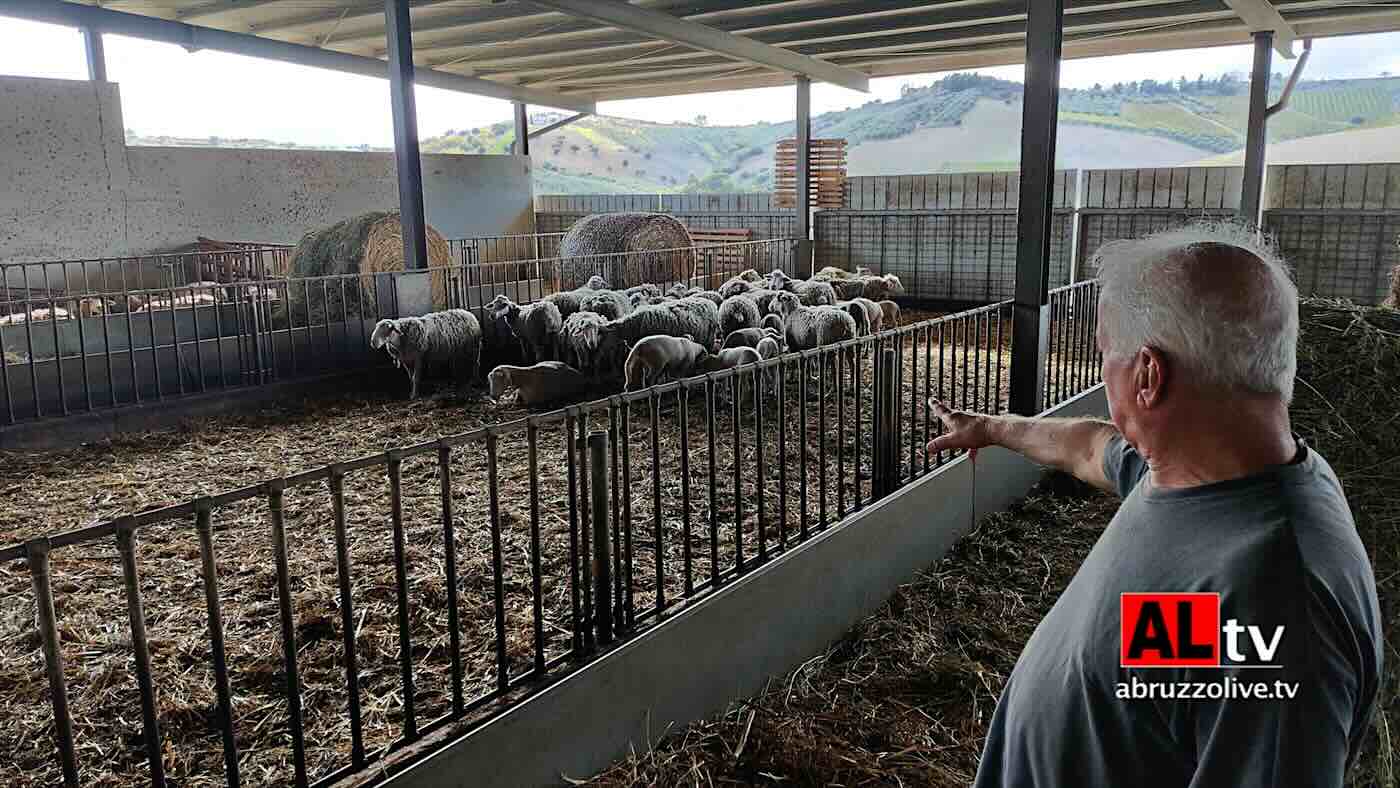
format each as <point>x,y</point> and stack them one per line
<point>924,131</point>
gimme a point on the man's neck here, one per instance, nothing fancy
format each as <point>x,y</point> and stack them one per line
<point>1226,442</point>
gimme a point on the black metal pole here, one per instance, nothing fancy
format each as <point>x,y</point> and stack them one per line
<point>1252,189</point>
<point>1030,316</point>
<point>602,559</point>
<point>410,168</point>
<point>803,207</point>
<point>96,58</point>
<point>522,129</point>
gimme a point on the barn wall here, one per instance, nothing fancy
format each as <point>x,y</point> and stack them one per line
<point>71,188</point>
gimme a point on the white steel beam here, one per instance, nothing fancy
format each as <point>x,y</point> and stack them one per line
<point>694,34</point>
<point>1261,16</point>
<point>195,37</point>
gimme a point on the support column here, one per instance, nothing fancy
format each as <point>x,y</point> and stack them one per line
<point>96,58</point>
<point>1030,325</point>
<point>803,227</point>
<point>1252,191</point>
<point>521,147</point>
<point>410,167</point>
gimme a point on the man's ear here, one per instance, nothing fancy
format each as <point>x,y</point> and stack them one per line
<point>1151,375</point>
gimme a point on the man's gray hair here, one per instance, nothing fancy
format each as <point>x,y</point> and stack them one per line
<point>1216,298</point>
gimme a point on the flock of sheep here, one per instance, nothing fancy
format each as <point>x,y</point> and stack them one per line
<point>641,335</point>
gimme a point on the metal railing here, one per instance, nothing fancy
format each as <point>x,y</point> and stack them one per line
<point>504,248</point>
<point>682,487</point>
<point>1073,363</point>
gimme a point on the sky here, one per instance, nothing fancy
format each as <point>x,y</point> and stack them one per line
<point>168,91</point>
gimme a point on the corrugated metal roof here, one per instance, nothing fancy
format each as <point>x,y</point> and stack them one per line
<point>517,43</point>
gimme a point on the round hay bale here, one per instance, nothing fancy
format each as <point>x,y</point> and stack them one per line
<point>371,243</point>
<point>608,244</point>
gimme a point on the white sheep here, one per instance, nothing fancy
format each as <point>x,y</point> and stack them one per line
<point>736,286</point>
<point>451,337</point>
<point>880,288</point>
<point>584,343</point>
<point>709,295</point>
<point>811,293</point>
<point>763,297</point>
<point>808,327</point>
<point>611,304</point>
<point>655,356</point>
<point>728,359</point>
<point>831,273</point>
<point>775,322</point>
<point>868,315</point>
<point>569,301</point>
<point>35,316</point>
<point>695,317</point>
<point>646,290</point>
<point>737,312</point>
<point>770,347</point>
<point>535,325</point>
<point>596,282</point>
<point>547,381</point>
<point>891,310</point>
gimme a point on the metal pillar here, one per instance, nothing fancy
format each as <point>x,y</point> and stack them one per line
<point>521,146</point>
<point>410,167</point>
<point>96,58</point>
<point>1030,328</point>
<point>1252,190</point>
<point>803,227</point>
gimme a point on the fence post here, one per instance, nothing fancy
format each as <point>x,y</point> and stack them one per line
<point>37,552</point>
<point>887,443</point>
<point>602,557</point>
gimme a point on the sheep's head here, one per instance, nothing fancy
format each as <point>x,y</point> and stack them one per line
<point>498,381</point>
<point>501,306</point>
<point>893,284</point>
<point>778,280</point>
<point>596,282</point>
<point>751,276</point>
<point>387,335</point>
<point>785,304</point>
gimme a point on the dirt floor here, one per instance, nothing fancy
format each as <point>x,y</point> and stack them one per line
<point>905,697</point>
<point>54,492</point>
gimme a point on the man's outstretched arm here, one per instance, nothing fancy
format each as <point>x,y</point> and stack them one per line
<point>1074,446</point>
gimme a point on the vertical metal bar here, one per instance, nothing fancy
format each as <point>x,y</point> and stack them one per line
<point>449,546</point>
<point>1256,129</point>
<point>614,461</point>
<point>782,454</point>
<point>498,592</point>
<point>150,726</point>
<point>998,362</point>
<point>217,652</point>
<point>536,572</point>
<point>840,381</point>
<point>713,480</point>
<point>585,526</point>
<point>398,32</point>
<point>602,567</point>
<point>575,556</point>
<point>803,527</point>
<point>658,546</point>
<point>928,388</point>
<point>803,165</point>
<point>155,350</point>
<point>626,438</point>
<point>37,554</point>
<point>683,417</point>
<point>822,358</point>
<point>289,633</point>
<point>96,57</point>
<point>858,382</point>
<point>410,719</point>
<point>734,394</point>
<point>1044,37</point>
<point>756,381</point>
<point>347,616</point>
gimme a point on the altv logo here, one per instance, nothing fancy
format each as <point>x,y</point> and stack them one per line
<point>1185,631</point>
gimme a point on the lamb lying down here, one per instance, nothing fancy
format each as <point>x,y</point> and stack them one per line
<point>545,382</point>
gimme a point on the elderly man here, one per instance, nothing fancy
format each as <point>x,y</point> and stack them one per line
<point>1198,329</point>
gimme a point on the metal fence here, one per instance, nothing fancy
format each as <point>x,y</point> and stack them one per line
<point>1073,363</point>
<point>762,224</point>
<point>743,202</point>
<point>960,256</point>
<point>504,248</point>
<point>673,492</point>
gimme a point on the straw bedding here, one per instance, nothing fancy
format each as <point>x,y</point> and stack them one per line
<point>52,492</point>
<point>905,697</point>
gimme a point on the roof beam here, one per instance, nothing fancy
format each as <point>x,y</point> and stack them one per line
<point>1259,16</point>
<point>216,8</point>
<point>194,37</point>
<point>681,31</point>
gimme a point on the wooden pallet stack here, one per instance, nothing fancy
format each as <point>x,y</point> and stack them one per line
<point>828,173</point>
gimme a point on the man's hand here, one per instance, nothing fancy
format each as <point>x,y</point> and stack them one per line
<point>969,431</point>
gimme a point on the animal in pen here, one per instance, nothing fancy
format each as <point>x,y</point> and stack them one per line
<point>811,293</point>
<point>536,326</point>
<point>629,248</point>
<point>538,384</point>
<point>611,304</point>
<point>737,312</point>
<point>655,357</point>
<point>868,315</point>
<point>810,327</point>
<point>709,295</point>
<point>585,344</point>
<point>891,313</point>
<point>450,338</point>
<point>736,286</point>
<point>774,322</point>
<point>694,317</point>
<point>749,337</point>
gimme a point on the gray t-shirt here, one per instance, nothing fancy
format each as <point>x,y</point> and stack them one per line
<point>1281,549</point>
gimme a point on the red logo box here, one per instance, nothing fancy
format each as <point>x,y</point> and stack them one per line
<point>1169,630</point>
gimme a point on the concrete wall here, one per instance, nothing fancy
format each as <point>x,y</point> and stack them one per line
<point>71,188</point>
<point>705,657</point>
